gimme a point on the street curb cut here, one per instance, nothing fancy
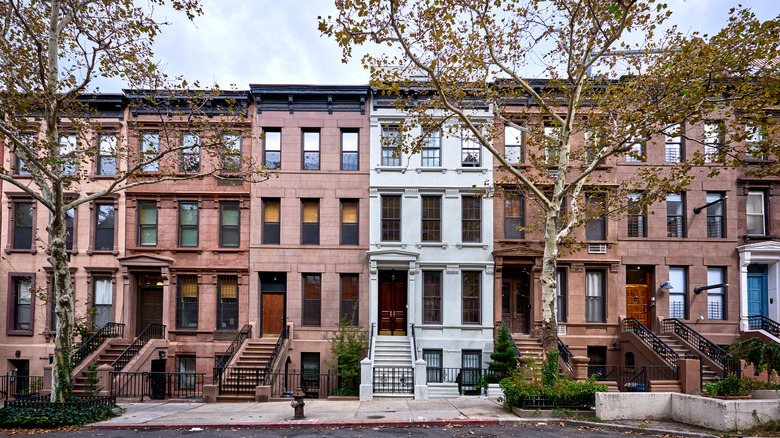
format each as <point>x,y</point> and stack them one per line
<point>624,428</point>
<point>302,425</point>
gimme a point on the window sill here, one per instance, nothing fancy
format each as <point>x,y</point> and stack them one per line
<point>462,245</point>
<point>228,250</point>
<point>189,332</point>
<point>19,333</point>
<point>380,169</point>
<point>101,177</point>
<point>432,245</point>
<point>20,251</point>
<point>431,169</point>
<point>481,170</point>
<point>186,249</point>
<point>514,241</point>
<point>99,252</point>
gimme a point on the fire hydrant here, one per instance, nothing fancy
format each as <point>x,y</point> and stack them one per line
<point>298,404</point>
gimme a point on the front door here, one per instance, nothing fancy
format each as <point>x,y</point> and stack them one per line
<point>392,303</point>
<point>273,287</point>
<point>516,301</point>
<point>638,294</point>
<point>757,290</point>
<point>150,304</point>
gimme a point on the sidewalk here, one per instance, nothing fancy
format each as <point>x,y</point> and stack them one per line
<point>462,411</point>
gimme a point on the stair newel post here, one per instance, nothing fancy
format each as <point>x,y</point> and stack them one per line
<point>420,380</point>
<point>366,380</point>
<point>104,379</point>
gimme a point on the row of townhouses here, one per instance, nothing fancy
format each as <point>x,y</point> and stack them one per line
<point>405,245</point>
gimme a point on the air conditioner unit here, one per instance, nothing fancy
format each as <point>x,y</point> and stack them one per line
<point>597,248</point>
<point>561,330</point>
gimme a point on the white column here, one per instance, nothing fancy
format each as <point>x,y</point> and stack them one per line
<point>420,380</point>
<point>366,380</point>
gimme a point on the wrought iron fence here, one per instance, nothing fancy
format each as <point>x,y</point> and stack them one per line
<point>41,401</point>
<point>242,335</point>
<point>632,378</point>
<point>544,402</point>
<point>18,387</point>
<point>704,345</point>
<point>110,330</point>
<point>469,380</point>
<point>632,325</point>
<point>393,380</point>
<point>238,380</point>
<point>157,386</point>
<point>152,331</point>
<point>315,385</point>
<point>761,322</point>
<point>274,360</point>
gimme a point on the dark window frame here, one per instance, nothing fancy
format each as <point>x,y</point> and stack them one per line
<point>12,307</point>
<point>230,157</point>
<point>271,229</point>
<point>268,152</point>
<point>189,227</point>
<point>764,216</point>
<point>310,231</point>
<point>312,307</point>
<point>636,218</point>
<point>190,155</point>
<point>676,218</point>
<point>431,221</point>
<point>714,292</point>
<point>513,224</point>
<point>716,216</point>
<point>312,153</point>
<point>225,308</point>
<point>103,157</point>
<point>470,153</point>
<point>390,139</point>
<point>432,297</point>
<point>596,227</point>
<point>471,219</point>
<point>599,300</point>
<point>188,306</point>
<point>676,292</point>
<point>93,278</point>
<point>518,147</point>
<point>350,231</point>
<point>468,309</point>
<point>349,307</point>
<point>674,141</point>
<point>345,153</point>
<point>561,294</point>
<point>95,225</point>
<point>225,228</point>
<point>430,154</point>
<point>390,230</point>
<point>146,153</point>
<point>434,359</point>
<point>144,226</point>
<point>15,242</point>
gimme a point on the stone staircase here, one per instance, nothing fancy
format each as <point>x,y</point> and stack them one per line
<point>253,360</point>
<point>707,373</point>
<point>114,349</point>
<point>393,352</point>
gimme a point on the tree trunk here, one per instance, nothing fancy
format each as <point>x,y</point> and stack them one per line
<point>548,330</point>
<point>62,380</point>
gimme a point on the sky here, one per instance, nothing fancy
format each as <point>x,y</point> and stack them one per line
<point>244,42</point>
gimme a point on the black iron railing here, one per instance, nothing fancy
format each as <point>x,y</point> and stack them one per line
<point>632,378</point>
<point>393,380</point>
<point>13,386</point>
<point>43,401</point>
<point>370,339</point>
<point>157,386</point>
<point>565,354</point>
<point>242,335</point>
<point>152,331</point>
<point>544,402</point>
<point>761,322</point>
<point>315,385</point>
<point>276,354</point>
<point>110,330</point>
<point>239,380</point>
<point>501,324</point>
<point>414,345</point>
<point>466,378</point>
<point>632,325</point>
<point>699,342</point>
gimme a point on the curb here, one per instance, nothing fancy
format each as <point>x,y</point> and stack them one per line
<point>301,424</point>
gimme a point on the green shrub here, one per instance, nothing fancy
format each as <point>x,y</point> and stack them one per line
<point>54,415</point>
<point>504,355</point>
<point>734,386</point>
<point>561,391</point>
<point>93,386</point>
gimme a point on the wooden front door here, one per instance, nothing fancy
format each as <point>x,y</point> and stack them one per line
<point>150,307</point>
<point>516,301</point>
<point>392,303</point>
<point>273,314</point>
<point>638,294</point>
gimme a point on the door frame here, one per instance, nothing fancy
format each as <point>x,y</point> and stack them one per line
<point>764,298</point>
<point>511,275</point>
<point>648,270</point>
<point>262,294</point>
<point>139,289</point>
<point>404,295</point>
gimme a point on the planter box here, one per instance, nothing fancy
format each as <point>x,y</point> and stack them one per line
<point>766,394</point>
<point>343,397</point>
<point>494,391</point>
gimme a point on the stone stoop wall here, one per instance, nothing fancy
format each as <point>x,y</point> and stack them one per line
<point>701,411</point>
<point>443,390</point>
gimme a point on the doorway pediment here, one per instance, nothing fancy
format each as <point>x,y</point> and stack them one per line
<point>145,261</point>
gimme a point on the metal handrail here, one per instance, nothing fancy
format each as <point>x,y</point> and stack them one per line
<point>514,345</point>
<point>699,342</point>
<point>275,354</point>
<point>565,354</point>
<point>152,331</point>
<point>761,322</point>
<point>414,347</point>
<point>370,341</point>
<point>667,353</point>
<point>109,330</point>
<point>244,333</point>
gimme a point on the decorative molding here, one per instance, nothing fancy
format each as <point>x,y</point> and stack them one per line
<point>373,193</point>
<point>452,269</point>
<point>451,193</point>
<point>412,270</point>
<point>577,267</point>
<point>614,268</point>
<point>372,268</point>
<point>411,193</point>
<point>489,270</point>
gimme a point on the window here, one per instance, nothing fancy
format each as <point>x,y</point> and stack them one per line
<point>715,299</point>
<point>70,219</point>
<point>596,228</point>
<point>754,147</point>
<point>431,218</point>
<point>513,145</point>
<point>349,298</point>
<point>471,370</point>
<point>391,218</point>
<point>470,152</point>
<point>102,295</point>
<point>21,320</point>
<point>311,299</point>
<point>271,221</point>
<point>560,294</point>
<point>230,157</point>
<point>594,296</point>
<point>19,167</point>
<point>147,223</point>
<point>188,224</point>
<point>636,152</point>
<point>190,153</point>
<point>311,150</point>
<point>637,216</point>
<point>349,150</point>
<point>552,147</point>
<point>186,370</point>
<point>349,222</point>
<point>715,215</point>
<point>106,162</point>
<point>433,363</point>
<point>674,144</point>
<point>592,145</point>
<point>472,218</point>
<point>227,302</point>
<point>310,229</point>
<point>391,139</point>
<point>104,227</point>
<point>69,161</point>
<point>150,148</point>
<point>187,302</point>
<point>23,225</point>
<point>675,216</point>
<point>431,148</point>
<point>432,297</point>
<point>273,149</point>
<point>229,224</point>
<point>514,216</point>
<point>677,294</point>
<point>756,221</point>
<point>310,371</point>
<point>471,297</point>
<point>713,141</point>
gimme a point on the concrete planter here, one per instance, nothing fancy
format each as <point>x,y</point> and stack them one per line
<point>766,394</point>
<point>494,391</point>
<point>343,397</point>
